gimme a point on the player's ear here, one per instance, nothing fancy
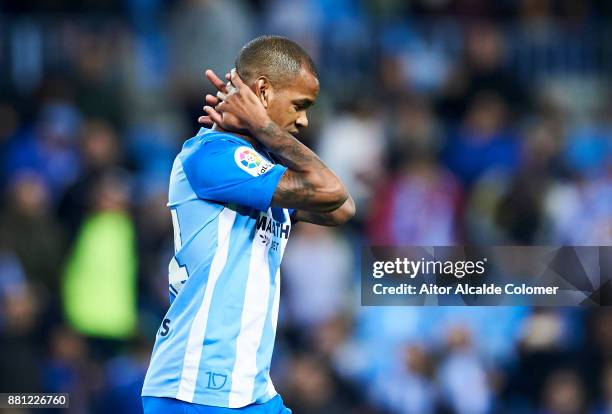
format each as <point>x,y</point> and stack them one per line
<point>263,90</point>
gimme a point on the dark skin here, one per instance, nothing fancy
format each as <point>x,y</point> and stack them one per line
<point>267,116</point>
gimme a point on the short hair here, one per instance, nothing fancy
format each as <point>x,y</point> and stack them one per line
<point>275,57</point>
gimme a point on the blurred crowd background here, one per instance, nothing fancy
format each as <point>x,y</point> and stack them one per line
<point>451,122</point>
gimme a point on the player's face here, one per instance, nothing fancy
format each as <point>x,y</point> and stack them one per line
<point>289,103</point>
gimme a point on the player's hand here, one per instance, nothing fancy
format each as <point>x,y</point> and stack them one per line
<point>239,108</point>
<point>212,100</point>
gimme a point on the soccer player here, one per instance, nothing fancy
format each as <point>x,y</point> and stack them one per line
<point>234,192</point>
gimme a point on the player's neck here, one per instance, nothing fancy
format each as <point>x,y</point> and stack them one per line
<point>248,138</point>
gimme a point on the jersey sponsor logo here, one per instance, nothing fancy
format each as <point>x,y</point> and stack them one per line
<point>273,227</point>
<point>250,161</point>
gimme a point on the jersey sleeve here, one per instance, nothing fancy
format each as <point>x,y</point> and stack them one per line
<point>226,171</point>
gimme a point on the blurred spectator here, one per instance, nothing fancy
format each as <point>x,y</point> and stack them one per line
<point>483,141</point>
<point>414,60</point>
<point>463,368</point>
<point>99,285</point>
<point>414,130</point>
<point>482,71</point>
<point>49,147</point>
<point>20,366</point>
<point>541,152</point>
<point>353,144</point>
<point>69,369</point>
<point>319,261</point>
<point>97,76</point>
<point>420,201</point>
<point>312,389</point>
<point>100,150</point>
<point>519,214</point>
<point>579,211</point>
<point>30,230</point>
<point>409,387</point>
<point>563,394</point>
<point>418,206</point>
<point>545,345</point>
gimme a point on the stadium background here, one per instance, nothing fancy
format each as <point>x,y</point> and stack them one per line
<point>468,121</point>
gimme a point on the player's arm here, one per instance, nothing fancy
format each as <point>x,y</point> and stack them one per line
<point>308,184</point>
<point>332,218</point>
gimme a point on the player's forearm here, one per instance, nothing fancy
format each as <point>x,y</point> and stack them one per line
<point>341,215</point>
<point>336,217</point>
<point>294,155</point>
<point>310,174</point>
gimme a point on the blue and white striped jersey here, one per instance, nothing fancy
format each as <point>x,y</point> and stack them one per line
<point>215,343</point>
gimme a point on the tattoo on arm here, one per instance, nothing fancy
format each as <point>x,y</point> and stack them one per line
<point>293,189</point>
<point>308,182</point>
<point>295,155</point>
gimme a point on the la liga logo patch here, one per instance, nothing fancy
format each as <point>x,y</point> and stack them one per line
<point>250,161</point>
